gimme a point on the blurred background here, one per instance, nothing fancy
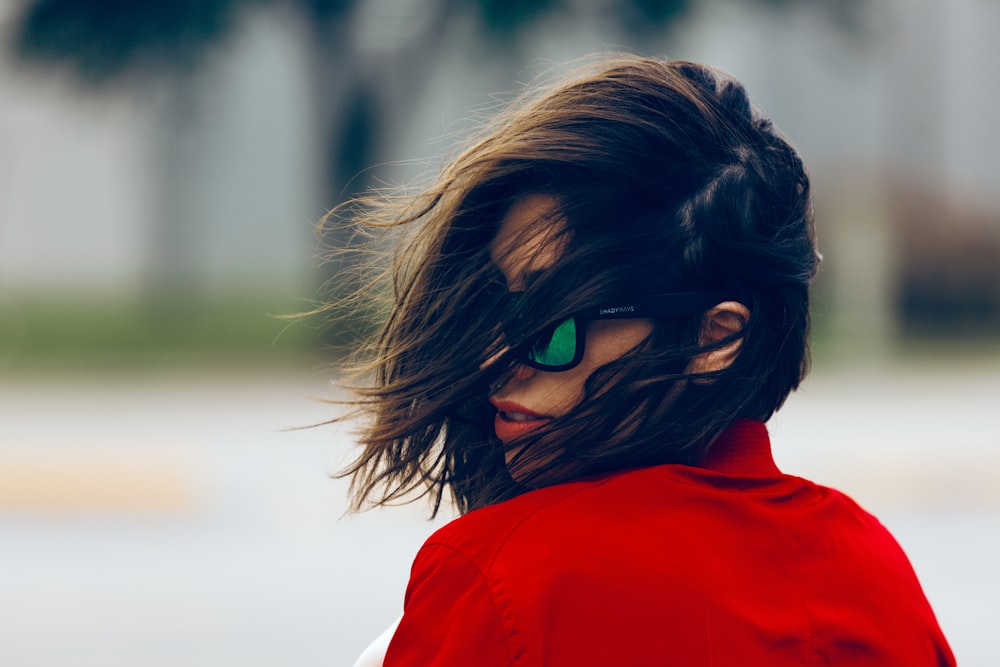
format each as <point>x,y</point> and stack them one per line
<point>162,170</point>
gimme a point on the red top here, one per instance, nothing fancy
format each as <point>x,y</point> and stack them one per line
<point>730,563</point>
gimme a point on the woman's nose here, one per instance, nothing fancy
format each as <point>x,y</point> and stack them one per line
<point>515,373</point>
<point>518,371</point>
<point>523,371</point>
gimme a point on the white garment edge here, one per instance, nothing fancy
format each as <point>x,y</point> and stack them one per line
<point>374,655</point>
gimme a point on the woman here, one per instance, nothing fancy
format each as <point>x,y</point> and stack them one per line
<point>598,307</point>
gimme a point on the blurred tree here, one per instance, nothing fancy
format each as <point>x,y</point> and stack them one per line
<point>107,41</point>
<point>357,84</point>
<point>103,39</point>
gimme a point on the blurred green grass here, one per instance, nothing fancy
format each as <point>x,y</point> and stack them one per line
<point>89,333</point>
<point>227,331</point>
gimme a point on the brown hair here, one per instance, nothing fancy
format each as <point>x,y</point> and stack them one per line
<point>667,179</point>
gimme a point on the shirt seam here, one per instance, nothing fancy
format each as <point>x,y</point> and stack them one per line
<point>508,628</point>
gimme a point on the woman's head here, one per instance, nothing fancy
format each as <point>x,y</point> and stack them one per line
<point>624,187</point>
<point>547,376</point>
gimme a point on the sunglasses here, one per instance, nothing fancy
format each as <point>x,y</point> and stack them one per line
<point>560,346</point>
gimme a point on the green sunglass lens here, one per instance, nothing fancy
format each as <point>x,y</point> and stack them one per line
<point>557,348</point>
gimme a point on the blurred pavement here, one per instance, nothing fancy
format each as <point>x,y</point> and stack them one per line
<point>174,520</point>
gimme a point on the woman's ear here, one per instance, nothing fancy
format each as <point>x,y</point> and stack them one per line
<point>721,321</point>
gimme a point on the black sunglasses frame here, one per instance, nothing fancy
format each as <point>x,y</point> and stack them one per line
<point>657,306</point>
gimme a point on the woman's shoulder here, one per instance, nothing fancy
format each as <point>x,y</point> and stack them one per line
<point>670,499</point>
<point>485,532</point>
<point>543,520</point>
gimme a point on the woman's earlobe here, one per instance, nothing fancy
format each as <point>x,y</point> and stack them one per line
<point>721,321</point>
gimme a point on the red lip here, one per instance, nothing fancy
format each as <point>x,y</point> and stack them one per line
<point>511,406</point>
<point>508,429</point>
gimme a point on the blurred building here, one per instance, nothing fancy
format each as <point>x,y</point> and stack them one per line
<point>208,182</point>
<point>211,184</point>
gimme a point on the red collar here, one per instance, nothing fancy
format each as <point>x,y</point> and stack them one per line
<point>742,449</point>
